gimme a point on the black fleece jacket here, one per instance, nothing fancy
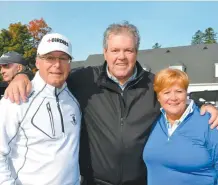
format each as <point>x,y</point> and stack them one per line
<point>115,125</point>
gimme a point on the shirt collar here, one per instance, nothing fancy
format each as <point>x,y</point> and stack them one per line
<point>131,78</point>
<point>188,111</point>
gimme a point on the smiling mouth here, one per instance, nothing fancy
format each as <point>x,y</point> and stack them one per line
<point>121,64</point>
<point>56,73</point>
<point>174,104</point>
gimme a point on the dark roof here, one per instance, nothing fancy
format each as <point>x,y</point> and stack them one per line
<point>94,60</point>
<point>199,60</point>
<point>76,64</point>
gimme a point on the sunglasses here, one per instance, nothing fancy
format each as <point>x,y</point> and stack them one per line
<point>5,66</point>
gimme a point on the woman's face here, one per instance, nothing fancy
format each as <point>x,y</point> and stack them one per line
<point>173,100</point>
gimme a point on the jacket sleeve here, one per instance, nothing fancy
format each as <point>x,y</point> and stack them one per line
<point>27,71</point>
<point>8,128</point>
<point>213,147</point>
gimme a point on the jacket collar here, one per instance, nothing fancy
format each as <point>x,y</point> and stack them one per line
<point>48,90</point>
<point>117,81</point>
<point>187,112</point>
<point>103,77</point>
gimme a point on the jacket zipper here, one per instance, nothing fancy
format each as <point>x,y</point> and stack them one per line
<point>121,129</point>
<point>121,167</point>
<point>133,84</point>
<point>51,118</point>
<point>59,109</point>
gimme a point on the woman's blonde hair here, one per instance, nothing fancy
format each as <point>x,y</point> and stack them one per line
<point>168,77</point>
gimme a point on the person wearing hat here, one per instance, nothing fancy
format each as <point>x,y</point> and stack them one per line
<point>119,105</point>
<point>39,140</point>
<point>11,63</point>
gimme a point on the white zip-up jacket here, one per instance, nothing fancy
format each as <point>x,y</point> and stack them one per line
<point>39,140</point>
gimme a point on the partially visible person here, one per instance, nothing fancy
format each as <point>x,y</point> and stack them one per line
<point>119,106</point>
<point>39,140</point>
<point>3,86</point>
<point>11,63</point>
<point>181,149</point>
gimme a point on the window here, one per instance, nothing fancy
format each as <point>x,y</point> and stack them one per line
<point>146,67</point>
<point>180,67</point>
<point>216,70</point>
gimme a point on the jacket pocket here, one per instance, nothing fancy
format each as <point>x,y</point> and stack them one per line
<point>47,120</point>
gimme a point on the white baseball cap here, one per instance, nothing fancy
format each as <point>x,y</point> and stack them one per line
<point>54,42</point>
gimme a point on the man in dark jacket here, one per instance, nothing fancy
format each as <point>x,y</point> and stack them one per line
<point>118,105</point>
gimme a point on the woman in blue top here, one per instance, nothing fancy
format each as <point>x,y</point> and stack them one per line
<point>181,149</point>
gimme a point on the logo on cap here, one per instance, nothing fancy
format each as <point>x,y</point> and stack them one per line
<point>58,40</point>
<point>5,56</point>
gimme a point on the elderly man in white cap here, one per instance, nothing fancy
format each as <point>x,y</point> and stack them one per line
<point>39,140</point>
<point>11,63</point>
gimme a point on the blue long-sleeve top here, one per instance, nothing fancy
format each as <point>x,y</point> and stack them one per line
<point>188,157</point>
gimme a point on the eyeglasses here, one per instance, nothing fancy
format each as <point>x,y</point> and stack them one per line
<point>51,59</point>
<point>5,66</point>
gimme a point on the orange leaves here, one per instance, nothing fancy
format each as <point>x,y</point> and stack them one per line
<point>23,38</point>
<point>38,28</point>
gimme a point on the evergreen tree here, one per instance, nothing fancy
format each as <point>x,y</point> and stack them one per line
<point>210,36</point>
<point>198,38</point>
<point>156,45</point>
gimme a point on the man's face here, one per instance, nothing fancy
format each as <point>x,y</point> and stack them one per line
<point>8,71</point>
<point>121,56</point>
<point>52,70</point>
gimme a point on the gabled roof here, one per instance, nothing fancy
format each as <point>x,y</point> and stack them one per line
<point>199,60</point>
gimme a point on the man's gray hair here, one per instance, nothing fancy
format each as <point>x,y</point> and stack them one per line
<point>118,28</point>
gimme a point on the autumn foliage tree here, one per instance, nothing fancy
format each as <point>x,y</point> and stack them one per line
<point>16,38</point>
<point>38,28</point>
<point>23,38</point>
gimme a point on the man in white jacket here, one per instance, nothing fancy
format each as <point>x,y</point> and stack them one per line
<point>39,140</point>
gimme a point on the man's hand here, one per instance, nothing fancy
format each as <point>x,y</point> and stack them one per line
<point>19,88</point>
<point>214,114</point>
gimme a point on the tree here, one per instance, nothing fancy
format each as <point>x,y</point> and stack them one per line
<point>23,39</point>
<point>38,28</point>
<point>156,45</point>
<point>198,38</point>
<point>16,38</point>
<point>210,36</point>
